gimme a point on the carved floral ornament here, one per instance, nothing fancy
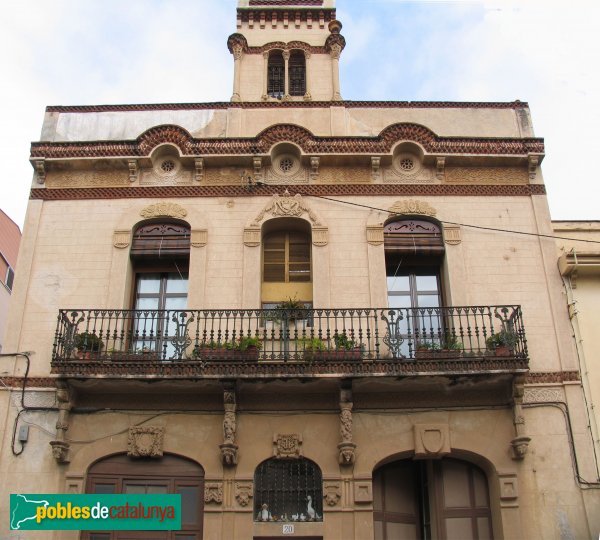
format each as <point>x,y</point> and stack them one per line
<point>287,446</point>
<point>213,493</point>
<point>286,205</point>
<point>411,206</point>
<point>145,441</point>
<point>163,209</point>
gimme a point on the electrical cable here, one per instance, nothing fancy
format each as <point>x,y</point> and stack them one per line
<point>24,407</point>
<point>471,226</point>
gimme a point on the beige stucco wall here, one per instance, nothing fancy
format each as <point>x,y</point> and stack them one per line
<point>321,121</point>
<point>487,268</point>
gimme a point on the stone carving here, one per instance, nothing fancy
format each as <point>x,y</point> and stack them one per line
<point>411,206</point>
<point>509,490</point>
<point>486,175</point>
<point>346,447</point>
<point>94,179</point>
<point>544,395</point>
<point>213,493</point>
<point>375,166</point>
<point>287,446</point>
<point>440,164</point>
<point>132,164</point>
<point>121,239</point>
<point>163,209</point>
<point>452,234</point>
<point>251,237</point>
<point>198,169</point>
<point>375,235</point>
<point>74,483</point>
<point>534,162</point>
<point>286,206</point>
<point>145,441</point>
<point>332,493</point>
<point>257,165</point>
<point>60,446</point>
<point>243,493</point>
<point>320,236</point>
<point>314,167</point>
<point>40,170</point>
<point>229,448</point>
<point>520,443</point>
<point>199,238</point>
<point>345,175</point>
<point>363,491</point>
<point>421,175</point>
<point>431,440</point>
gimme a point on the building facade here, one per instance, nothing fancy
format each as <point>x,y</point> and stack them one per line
<point>311,317</point>
<point>10,237</point>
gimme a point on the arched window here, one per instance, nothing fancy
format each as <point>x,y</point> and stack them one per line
<point>297,74</point>
<point>160,254</point>
<point>441,499</point>
<point>286,264</point>
<point>288,490</point>
<point>414,252</point>
<point>170,474</point>
<point>276,75</point>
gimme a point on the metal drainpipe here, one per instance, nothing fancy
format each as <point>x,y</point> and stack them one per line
<point>585,383</point>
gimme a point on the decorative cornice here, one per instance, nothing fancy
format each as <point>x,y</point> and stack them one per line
<point>157,192</point>
<point>292,3</point>
<point>309,143</point>
<point>287,105</point>
<point>276,13</point>
<point>32,382</point>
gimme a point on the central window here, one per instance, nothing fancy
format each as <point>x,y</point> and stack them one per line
<point>286,257</point>
<point>276,75</point>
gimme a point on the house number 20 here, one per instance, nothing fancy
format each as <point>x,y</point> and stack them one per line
<point>288,529</point>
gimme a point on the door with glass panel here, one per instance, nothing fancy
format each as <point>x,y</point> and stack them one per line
<point>159,299</point>
<point>417,292</point>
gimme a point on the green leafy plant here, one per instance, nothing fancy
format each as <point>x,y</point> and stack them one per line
<point>246,342</point>
<point>428,346</point>
<point>504,338</point>
<point>452,343</point>
<point>343,342</point>
<point>87,342</point>
<point>313,344</point>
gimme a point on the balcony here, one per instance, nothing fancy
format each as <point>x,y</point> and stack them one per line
<point>294,343</point>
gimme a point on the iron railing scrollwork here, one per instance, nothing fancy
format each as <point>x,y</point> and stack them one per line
<point>292,335</point>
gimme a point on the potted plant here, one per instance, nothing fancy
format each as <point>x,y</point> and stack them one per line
<point>247,348</point>
<point>347,348</point>
<point>87,343</point>
<point>314,348</point>
<point>214,350</point>
<point>426,349</point>
<point>452,347</point>
<point>502,343</point>
<point>291,309</point>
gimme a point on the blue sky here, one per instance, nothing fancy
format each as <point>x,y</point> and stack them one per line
<point>147,51</point>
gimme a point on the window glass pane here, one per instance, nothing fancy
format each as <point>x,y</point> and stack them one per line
<point>481,491</point>
<point>147,303</point>
<point>177,302</point>
<point>148,283</point>
<point>275,241</point>
<point>484,529</point>
<point>398,283</point>
<point>189,504</point>
<point>427,283</point>
<point>299,252</point>
<point>156,490</point>
<point>456,485</point>
<point>274,272</point>
<point>177,283</point>
<point>100,536</point>
<point>399,301</point>
<point>134,489</point>
<point>299,272</point>
<point>428,300</point>
<point>459,528</point>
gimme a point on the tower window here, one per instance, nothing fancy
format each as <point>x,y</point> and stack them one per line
<point>297,70</point>
<point>276,75</point>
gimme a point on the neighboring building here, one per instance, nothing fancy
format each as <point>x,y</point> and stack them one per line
<point>578,246</point>
<point>417,377</point>
<point>10,236</point>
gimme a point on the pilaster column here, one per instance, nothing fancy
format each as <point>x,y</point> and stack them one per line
<point>238,51</point>
<point>229,448</point>
<point>307,94</point>
<point>60,446</point>
<point>335,52</point>
<point>265,96</point>
<point>286,82</point>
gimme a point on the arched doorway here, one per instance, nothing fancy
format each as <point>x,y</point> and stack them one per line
<point>445,499</point>
<point>170,474</point>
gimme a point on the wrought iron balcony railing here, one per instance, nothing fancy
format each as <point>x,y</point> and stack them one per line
<point>290,336</point>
